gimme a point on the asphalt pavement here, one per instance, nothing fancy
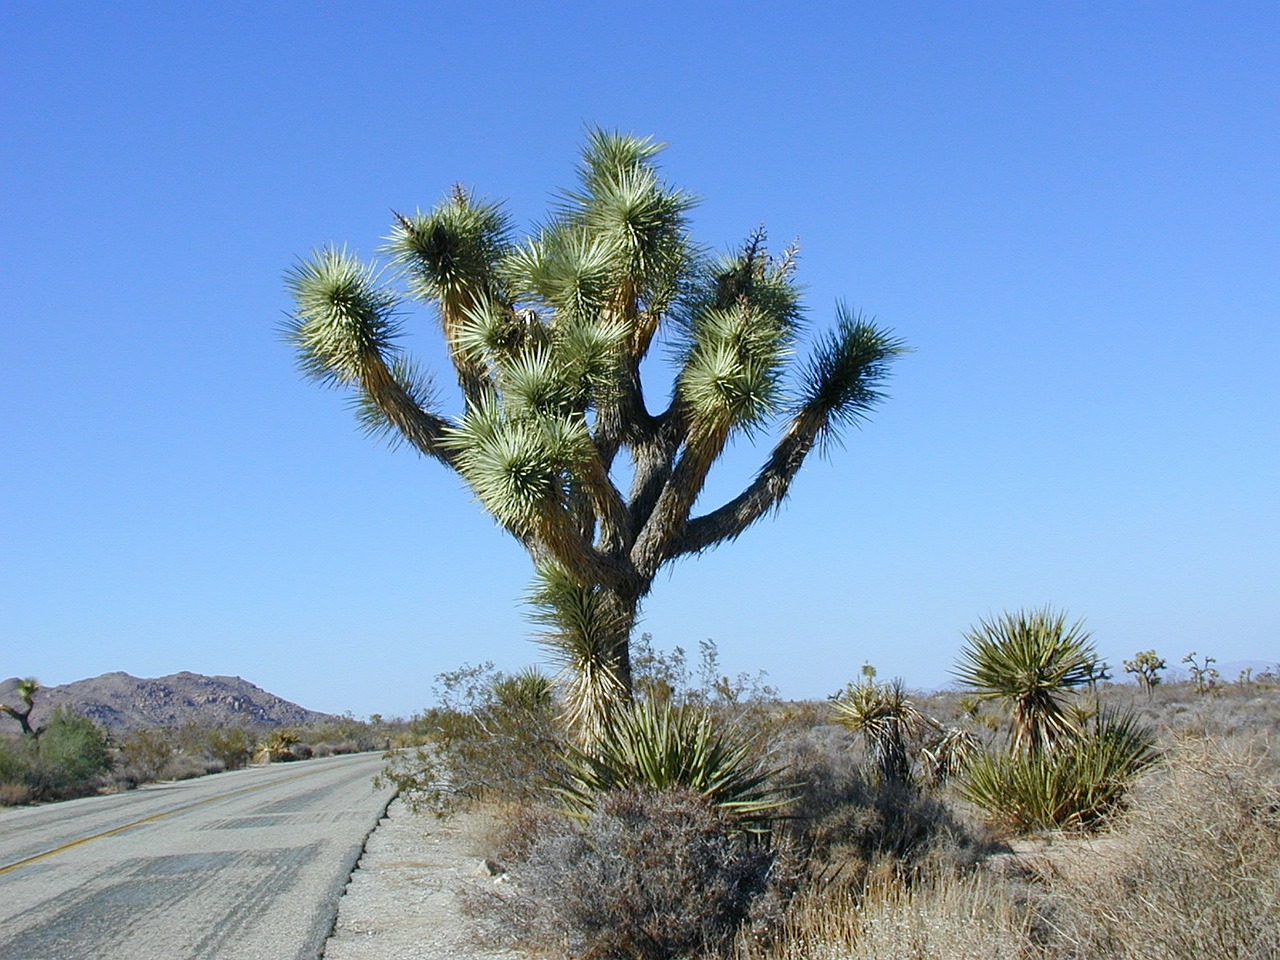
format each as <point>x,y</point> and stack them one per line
<point>244,865</point>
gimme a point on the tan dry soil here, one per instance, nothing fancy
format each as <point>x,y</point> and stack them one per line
<point>405,900</point>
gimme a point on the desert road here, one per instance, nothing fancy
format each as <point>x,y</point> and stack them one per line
<point>242,865</point>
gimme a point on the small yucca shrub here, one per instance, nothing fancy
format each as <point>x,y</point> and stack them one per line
<point>1029,661</point>
<point>887,721</point>
<point>663,746</point>
<point>1076,785</point>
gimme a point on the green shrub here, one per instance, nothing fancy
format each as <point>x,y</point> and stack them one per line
<point>17,757</point>
<point>230,746</point>
<point>494,736</point>
<point>1077,784</point>
<point>65,761</point>
<point>143,755</point>
<point>647,874</point>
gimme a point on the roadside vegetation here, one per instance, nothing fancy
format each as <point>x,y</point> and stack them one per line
<point>1037,810</point>
<point>70,756</point>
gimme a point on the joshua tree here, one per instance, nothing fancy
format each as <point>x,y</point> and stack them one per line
<point>1146,665</point>
<point>547,337</point>
<point>26,690</point>
<point>1029,660</point>
<point>1203,674</point>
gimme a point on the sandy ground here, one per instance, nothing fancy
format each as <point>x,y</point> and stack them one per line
<point>405,899</point>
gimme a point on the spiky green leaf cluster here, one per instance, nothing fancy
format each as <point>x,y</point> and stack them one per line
<point>1029,661</point>
<point>345,317</point>
<point>662,745</point>
<point>623,205</point>
<point>521,467</point>
<point>843,377</point>
<point>451,253</point>
<point>1076,785</point>
<point>582,635</point>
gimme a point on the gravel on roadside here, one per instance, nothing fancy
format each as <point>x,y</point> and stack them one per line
<point>405,899</point>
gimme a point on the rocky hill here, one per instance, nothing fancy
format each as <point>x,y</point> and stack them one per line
<point>121,702</point>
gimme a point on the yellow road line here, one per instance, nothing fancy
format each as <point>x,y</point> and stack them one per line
<point>17,864</point>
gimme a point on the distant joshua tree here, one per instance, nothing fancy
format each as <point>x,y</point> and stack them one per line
<point>27,690</point>
<point>1146,666</point>
<point>1203,674</point>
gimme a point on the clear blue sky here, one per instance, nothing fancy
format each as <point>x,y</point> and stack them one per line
<point>1070,211</point>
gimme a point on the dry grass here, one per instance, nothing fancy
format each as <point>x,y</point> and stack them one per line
<point>1198,877</point>
<point>1190,872</point>
<point>951,917</point>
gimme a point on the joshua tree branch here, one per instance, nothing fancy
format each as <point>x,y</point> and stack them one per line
<point>765,493</point>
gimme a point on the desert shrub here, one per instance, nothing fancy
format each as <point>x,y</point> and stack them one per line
<point>14,794</point>
<point>17,758</point>
<point>68,758</point>
<point>660,745</point>
<point>1195,872</point>
<point>667,676</point>
<point>143,755</point>
<point>493,736</point>
<point>648,873</point>
<point>230,746</point>
<point>184,766</point>
<point>1077,783</point>
<point>342,736</point>
<point>845,821</point>
<point>337,748</point>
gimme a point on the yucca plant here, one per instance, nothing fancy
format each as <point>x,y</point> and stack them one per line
<point>528,692</point>
<point>1029,661</point>
<point>547,337</point>
<point>660,745</point>
<point>948,752</point>
<point>1076,785</point>
<point>886,719</point>
<point>278,746</point>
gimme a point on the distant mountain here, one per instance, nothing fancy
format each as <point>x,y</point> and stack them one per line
<point>121,702</point>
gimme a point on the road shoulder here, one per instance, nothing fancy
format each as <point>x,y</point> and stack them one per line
<point>406,896</point>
